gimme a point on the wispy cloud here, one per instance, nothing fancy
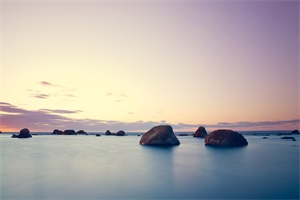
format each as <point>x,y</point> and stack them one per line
<point>45,83</point>
<point>41,96</point>
<point>49,119</point>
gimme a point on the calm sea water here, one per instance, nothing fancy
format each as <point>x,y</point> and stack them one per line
<point>109,167</point>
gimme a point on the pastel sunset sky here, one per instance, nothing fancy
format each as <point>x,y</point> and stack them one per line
<point>133,64</point>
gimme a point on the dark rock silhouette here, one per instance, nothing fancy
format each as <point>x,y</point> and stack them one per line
<point>98,134</point>
<point>183,134</point>
<point>201,132</point>
<point>265,137</point>
<point>57,132</point>
<point>295,132</point>
<point>288,138</point>
<point>108,132</point>
<point>81,132</point>
<point>24,133</point>
<point>225,137</point>
<point>120,133</point>
<point>69,132</point>
<point>160,135</point>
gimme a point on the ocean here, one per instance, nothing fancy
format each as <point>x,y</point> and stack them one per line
<point>109,167</point>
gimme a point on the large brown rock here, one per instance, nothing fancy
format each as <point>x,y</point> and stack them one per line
<point>201,132</point>
<point>160,135</point>
<point>225,137</point>
<point>24,133</point>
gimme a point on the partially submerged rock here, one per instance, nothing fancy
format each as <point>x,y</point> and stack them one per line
<point>81,132</point>
<point>295,132</point>
<point>24,133</point>
<point>108,132</point>
<point>288,138</point>
<point>57,132</point>
<point>160,135</point>
<point>225,137</point>
<point>120,133</point>
<point>201,132</point>
<point>69,132</point>
<point>98,134</point>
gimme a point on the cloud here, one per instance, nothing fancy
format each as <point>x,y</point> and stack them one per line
<point>45,83</point>
<point>50,119</point>
<point>109,94</point>
<point>41,96</point>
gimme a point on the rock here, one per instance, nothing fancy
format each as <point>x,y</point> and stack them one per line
<point>295,132</point>
<point>225,137</point>
<point>98,134</point>
<point>288,138</point>
<point>120,133</point>
<point>24,133</point>
<point>265,137</point>
<point>183,134</point>
<point>0,132</point>
<point>108,132</point>
<point>81,132</point>
<point>69,132</point>
<point>160,135</point>
<point>57,132</point>
<point>201,132</point>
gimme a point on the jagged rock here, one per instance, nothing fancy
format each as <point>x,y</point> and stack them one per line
<point>225,137</point>
<point>201,132</point>
<point>24,133</point>
<point>160,135</point>
<point>120,133</point>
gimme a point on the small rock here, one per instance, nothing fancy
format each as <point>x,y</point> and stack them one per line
<point>288,138</point>
<point>120,133</point>
<point>69,132</point>
<point>57,132</point>
<point>108,132</point>
<point>201,132</point>
<point>24,133</point>
<point>98,135</point>
<point>81,132</point>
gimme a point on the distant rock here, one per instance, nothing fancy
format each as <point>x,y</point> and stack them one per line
<point>225,137</point>
<point>160,135</point>
<point>120,133</point>
<point>98,134</point>
<point>108,132</point>
<point>288,138</point>
<point>57,132</point>
<point>265,137</point>
<point>183,134</point>
<point>81,132</point>
<point>0,132</point>
<point>295,132</point>
<point>201,132</point>
<point>69,132</point>
<point>24,133</point>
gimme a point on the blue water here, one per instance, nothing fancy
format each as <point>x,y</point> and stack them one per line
<point>106,167</point>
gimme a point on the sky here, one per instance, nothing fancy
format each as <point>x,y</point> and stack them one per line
<point>131,65</point>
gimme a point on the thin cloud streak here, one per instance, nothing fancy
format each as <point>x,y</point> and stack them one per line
<point>48,120</point>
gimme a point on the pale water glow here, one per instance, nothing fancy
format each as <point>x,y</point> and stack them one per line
<point>176,62</point>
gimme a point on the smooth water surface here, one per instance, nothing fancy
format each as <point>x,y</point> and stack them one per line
<point>89,167</point>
